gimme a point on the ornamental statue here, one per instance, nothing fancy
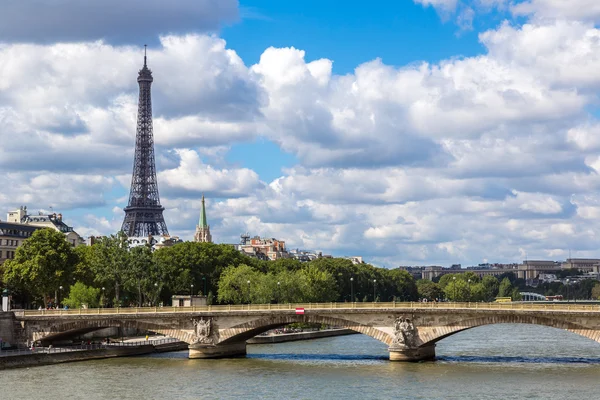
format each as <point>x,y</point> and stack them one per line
<point>202,330</point>
<point>405,333</point>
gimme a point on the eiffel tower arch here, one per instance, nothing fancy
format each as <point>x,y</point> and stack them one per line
<point>144,214</point>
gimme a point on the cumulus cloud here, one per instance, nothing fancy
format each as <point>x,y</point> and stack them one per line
<point>488,157</point>
<point>131,21</point>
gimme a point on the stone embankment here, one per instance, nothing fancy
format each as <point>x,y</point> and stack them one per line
<point>290,337</point>
<point>43,358</point>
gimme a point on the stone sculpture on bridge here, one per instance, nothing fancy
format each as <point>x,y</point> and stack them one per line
<point>202,330</point>
<point>405,333</point>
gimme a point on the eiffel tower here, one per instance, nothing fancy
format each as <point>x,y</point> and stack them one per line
<point>144,214</point>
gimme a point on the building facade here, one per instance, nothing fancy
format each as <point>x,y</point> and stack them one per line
<point>12,236</point>
<point>262,248</point>
<point>53,220</point>
<point>202,234</point>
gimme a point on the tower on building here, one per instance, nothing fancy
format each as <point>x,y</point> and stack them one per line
<point>144,214</point>
<point>203,229</point>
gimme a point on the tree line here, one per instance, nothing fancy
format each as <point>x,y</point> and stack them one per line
<point>47,270</point>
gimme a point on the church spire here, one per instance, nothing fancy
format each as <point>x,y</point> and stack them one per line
<point>202,222</point>
<point>203,229</point>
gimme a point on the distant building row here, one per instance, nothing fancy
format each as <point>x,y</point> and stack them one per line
<point>528,269</point>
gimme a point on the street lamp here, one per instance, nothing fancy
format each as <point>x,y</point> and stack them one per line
<point>567,290</point>
<point>103,298</point>
<point>278,292</point>
<point>205,293</point>
<point>191,294</point>
<point>248,292</point>
<point>155,293</point>
<point>469,281</point>
<point>60,288</point>
<point>374,290</point>
<point>454,284</point>
<point>352,289</point>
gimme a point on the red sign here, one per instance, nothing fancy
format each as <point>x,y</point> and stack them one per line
<point>299,310</point>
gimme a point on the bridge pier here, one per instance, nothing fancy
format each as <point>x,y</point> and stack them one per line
<point>200,350</point>
<point>425,353</point>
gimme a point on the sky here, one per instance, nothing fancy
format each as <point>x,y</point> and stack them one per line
<point>409,132</point>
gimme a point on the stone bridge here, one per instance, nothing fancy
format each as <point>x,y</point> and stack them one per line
<point>410,330</point>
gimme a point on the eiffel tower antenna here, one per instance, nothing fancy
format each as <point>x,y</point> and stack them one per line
<point>144,214</point>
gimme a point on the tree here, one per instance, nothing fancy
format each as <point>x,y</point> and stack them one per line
<point>429,290</point>
<point>80,294</point>
<point>490,288</point>
<point>238,284</point>
<point>316,285</point>
<point>109,261</point>
<point>596,291</point>
<point>402,285</point>
<point>505,289</point>
<point>42,264</point>
<point>457,290</point>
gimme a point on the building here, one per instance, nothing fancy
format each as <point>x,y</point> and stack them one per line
<point>155,242</point>
<point>263,249</point>
<point>582,264</point>
<point>12,236</point>
<point>202,234</point>
<point>531,269</point>
<point>182,300</point>
<point>53,220</point>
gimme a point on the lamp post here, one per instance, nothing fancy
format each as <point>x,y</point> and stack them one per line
<point>352,289</point>
<point>248,292</point>
<point>567,290</point>
<point>454,284</point>
<point>205,293</point>
<point>469,281</point>
<point>278,292</point>
<point>155,293</point>
<point>374,290</point>
<point>191,294</point>
<point>60,288</point>
<point>103,298</point>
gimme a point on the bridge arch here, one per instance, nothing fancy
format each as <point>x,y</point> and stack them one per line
<point>431,335</point>
<point>70,329</point>
<point>247,330</point>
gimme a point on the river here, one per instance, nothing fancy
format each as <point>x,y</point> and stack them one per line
<point>490,362</point>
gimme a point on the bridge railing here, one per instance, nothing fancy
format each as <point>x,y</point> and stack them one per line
<point>317,306</point>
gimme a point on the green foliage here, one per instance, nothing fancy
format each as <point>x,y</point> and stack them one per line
<point>80,294</point>
<point>505,289</point>
<point>596,291</point>
<point>44,262</point>
<point>109,261</point>
<point>491,286</point>
<point>430,290</point>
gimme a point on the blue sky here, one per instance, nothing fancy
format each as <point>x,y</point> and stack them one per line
<point>407,131</point>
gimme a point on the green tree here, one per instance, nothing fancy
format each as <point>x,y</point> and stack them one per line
<point>457,290</point>
<point>42,264</point>
<point>491,286</point>
<point>401,284</point>
<point>316,285</point>
<point>429,290</point>
<point>596,291</point>
<point>109,261</point>
<point>80,294</point>
<point>238,284</point>
<point>505,289</point>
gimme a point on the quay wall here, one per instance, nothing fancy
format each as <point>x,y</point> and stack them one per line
<point>34,360</point>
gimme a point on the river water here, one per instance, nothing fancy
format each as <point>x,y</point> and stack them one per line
<point>490,362</point>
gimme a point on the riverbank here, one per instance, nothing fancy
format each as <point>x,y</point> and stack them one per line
<point>58,357</point>
<point>291,337</point>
